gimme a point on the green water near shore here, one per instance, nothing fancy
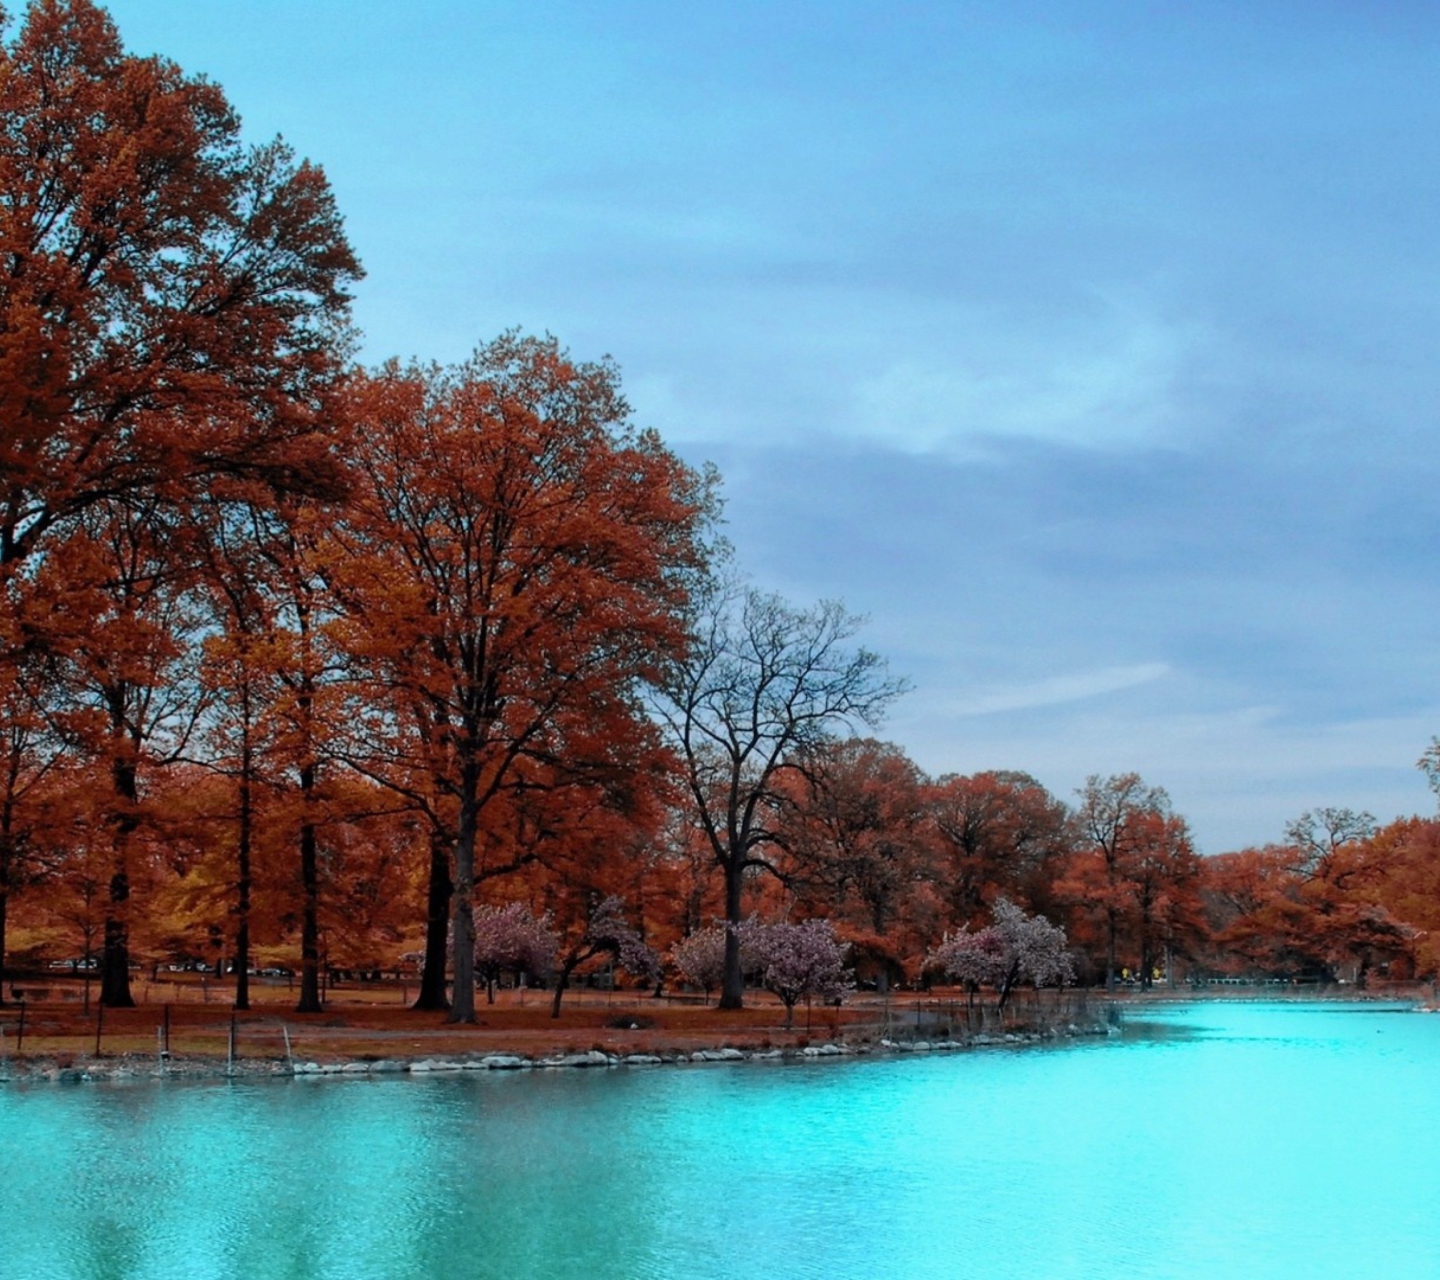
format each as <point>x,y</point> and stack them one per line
<point>1209,1140</point>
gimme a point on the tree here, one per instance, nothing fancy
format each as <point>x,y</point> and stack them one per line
<point>972,957</point>
<point>511,572</point>
<point>1282,911</point>
<point>170,301</point>
<point>1317,835</point>
<point>1404,864</point>
<point>511,938</point>
<point>168,297</point>
<point>762,685</point>
<point>606,932</point>
<point>76,899</point>
<point>796,961</point>
<point>370,898</point>
<point>238,674</point>
<point>1002,832</point>
<point>276,668</point>
<point>122,633</point>
<point>32,758</point>
<point>1117,825</point>
<point>699,957</point>
<point>1015,948</point>
<point>1337,919</point>
<point>1249,901</point>
<point>1165,876</point>
<point>853,829</point>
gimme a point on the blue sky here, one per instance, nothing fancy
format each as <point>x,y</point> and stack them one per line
<point>1090,350</point>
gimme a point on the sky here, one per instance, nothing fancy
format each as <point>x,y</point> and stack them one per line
<point>1088,351</point>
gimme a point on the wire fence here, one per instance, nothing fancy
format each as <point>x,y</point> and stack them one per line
<point>953,1015</point>
<point>45,1029</point>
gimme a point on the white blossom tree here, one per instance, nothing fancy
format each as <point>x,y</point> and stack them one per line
<point>972,957</point>
<point>796,961</point>
<point>606,932</point>
<point>512,939</point>
<point>1016,948</point>
<point>700,957</point>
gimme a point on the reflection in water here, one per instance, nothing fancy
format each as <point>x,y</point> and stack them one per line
<point>1209,1140</point>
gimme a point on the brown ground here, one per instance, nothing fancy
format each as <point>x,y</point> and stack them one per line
<point>374,1020</point>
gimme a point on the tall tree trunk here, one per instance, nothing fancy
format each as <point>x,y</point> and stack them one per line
<point>115,957</point>
<point>1006,986</point>
<point>462,932</point>
<point>312,998</point>
<point>1146,958</point>
<point>242,906</point>
<point>115,953</point>
<point>437,928</point>
<point>7,855</point>
<point>6,861</point>
<point>732,986</point>
<point>310,1001</point>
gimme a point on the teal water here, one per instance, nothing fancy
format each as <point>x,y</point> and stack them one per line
<point>1210,1140</point>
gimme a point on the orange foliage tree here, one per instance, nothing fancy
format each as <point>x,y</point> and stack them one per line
<point>511,569</point>
<point>1404,858</point>
<point>1000,835</point>
<point>1133,873</point>
<point>855,846</point>
<point>1336,900</point>
<point>166,293</point>
<point>33,762</point>
<point>123,635</point>
<point>169,300</point>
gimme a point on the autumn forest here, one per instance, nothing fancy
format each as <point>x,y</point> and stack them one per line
<point>450,671</point>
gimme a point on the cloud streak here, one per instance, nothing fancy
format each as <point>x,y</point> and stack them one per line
<point>1057,690</point>
<point>1113,385</point>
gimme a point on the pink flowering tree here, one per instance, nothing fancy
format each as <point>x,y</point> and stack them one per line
<point>973,958</point>
<point>700,958</point>
<point>1016,948</point>
<point>512,939</point>
<point>796,961</point>
<point>607,932</point>
<point>1039,950</point>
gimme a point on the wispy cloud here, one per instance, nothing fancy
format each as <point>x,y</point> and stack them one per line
<point>1060,689</point>
<point>1113,384</point>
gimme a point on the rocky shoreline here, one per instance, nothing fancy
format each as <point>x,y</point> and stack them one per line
<point>135,1067</point>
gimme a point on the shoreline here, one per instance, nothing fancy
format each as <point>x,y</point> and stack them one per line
<point>373,1048</point>
<point>124,1068</point>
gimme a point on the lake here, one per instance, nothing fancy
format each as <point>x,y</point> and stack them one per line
<point>1208,1140</point>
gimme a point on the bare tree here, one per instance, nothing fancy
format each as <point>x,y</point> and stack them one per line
<point>1317,835</point>
<point>763,684</point>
